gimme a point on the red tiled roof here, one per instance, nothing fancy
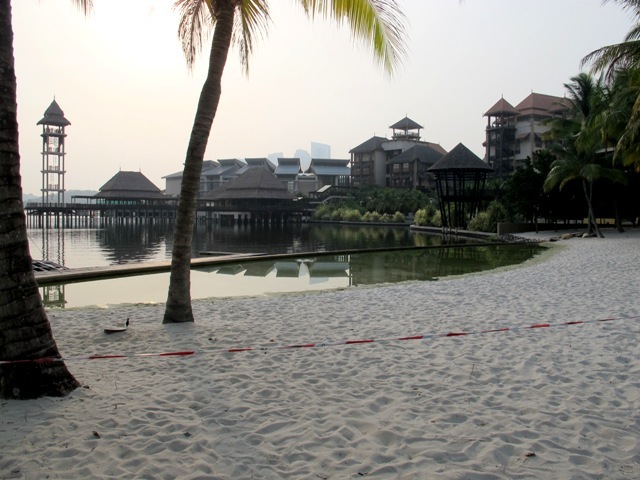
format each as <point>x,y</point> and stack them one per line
<point>541,103</point>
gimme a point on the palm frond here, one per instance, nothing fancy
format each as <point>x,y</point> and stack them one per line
<point>612,58</point>
<point>628,146</point>
<point>253,20</point>
<point>633,34</point>
<point>379,23</point>
<point>196,19</point>
<point>85,6</point>
<point>633,6</point>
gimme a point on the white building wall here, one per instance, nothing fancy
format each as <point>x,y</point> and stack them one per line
<point>172,186</point>
<point>380,168</point>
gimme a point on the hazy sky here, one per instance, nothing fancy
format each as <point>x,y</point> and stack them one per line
<point>120,77</point>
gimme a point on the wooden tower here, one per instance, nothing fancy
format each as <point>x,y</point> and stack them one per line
<point>53,154</point>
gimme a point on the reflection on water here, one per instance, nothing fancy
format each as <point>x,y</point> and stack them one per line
<point>91,247</point>
<point>252,278</point>
<point>135,242</point>
<point>387,266</point>
<point>144,242</point>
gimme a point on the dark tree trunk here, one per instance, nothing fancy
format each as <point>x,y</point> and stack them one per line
<point>25,332</point>
<point>591,218</point>
<point>178,308</point>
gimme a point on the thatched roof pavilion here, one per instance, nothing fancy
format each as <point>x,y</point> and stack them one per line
<point>129,186</point>
<point>256,196</point>
<point>460,180</point>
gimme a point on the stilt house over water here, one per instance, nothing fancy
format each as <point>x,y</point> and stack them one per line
<point>255,196</point>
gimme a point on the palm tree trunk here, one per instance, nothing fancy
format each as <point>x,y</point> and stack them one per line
<point>25,332</point>
<point>178,308</point>
<point>591,218</point>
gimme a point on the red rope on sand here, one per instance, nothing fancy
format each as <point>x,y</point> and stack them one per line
<point>185,353</point>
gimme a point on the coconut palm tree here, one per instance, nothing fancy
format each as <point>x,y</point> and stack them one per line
<point>620,63</point>
<point>377,22</point>
<point>25,332</point>
<point>622,55</point>
<point>621,119</point>
<point>580,146</point>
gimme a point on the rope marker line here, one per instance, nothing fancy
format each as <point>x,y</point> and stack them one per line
<point>431,336</point>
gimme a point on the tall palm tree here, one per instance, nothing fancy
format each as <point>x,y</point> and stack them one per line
<point>580,146</point>
<point>623,60</point>
<point>621,55</point>
<point>377,22</point>
<point>621,120</point>
<point>25,332</point>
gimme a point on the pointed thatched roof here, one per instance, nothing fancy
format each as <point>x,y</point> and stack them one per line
<point>54,116</point>
<point>129,185</point>
<point>406,124</point>
<point>501,107</point>
<point>406,129</point>
<point>255,183</point>
<point>460,158</point>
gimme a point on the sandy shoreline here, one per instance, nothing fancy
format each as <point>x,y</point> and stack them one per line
<point>555,403</point>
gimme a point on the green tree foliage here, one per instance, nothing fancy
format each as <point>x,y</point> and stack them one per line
<point>620,63</point>
<point>429,216</point>
<point>580,147</point>
<point>488,220</point>
<point>390,200</point>
<point>375,204</point>
<point>525,197</point>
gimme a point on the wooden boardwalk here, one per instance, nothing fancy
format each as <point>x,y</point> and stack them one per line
<point>69,275</point>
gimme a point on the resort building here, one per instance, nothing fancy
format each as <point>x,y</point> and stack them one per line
<point>211,178</point>
<point>514,133</point>
<point>409,169</point>
<point>372,162</point>
<point>254,196</point>
<point>216,173</point>
<point>173,181</point>
<point>256,162</point>
<point>329,171</point>
<point>287,171</point>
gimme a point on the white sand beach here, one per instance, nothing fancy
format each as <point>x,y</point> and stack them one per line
<point>548,403</point>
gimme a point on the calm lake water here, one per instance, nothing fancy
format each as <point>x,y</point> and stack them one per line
<point>135,243</point>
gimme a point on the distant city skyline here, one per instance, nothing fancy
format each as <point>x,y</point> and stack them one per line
<point>131,100</point>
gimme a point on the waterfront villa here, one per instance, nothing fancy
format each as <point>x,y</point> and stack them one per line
<point>254,196</point>
<point>125,186</point>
